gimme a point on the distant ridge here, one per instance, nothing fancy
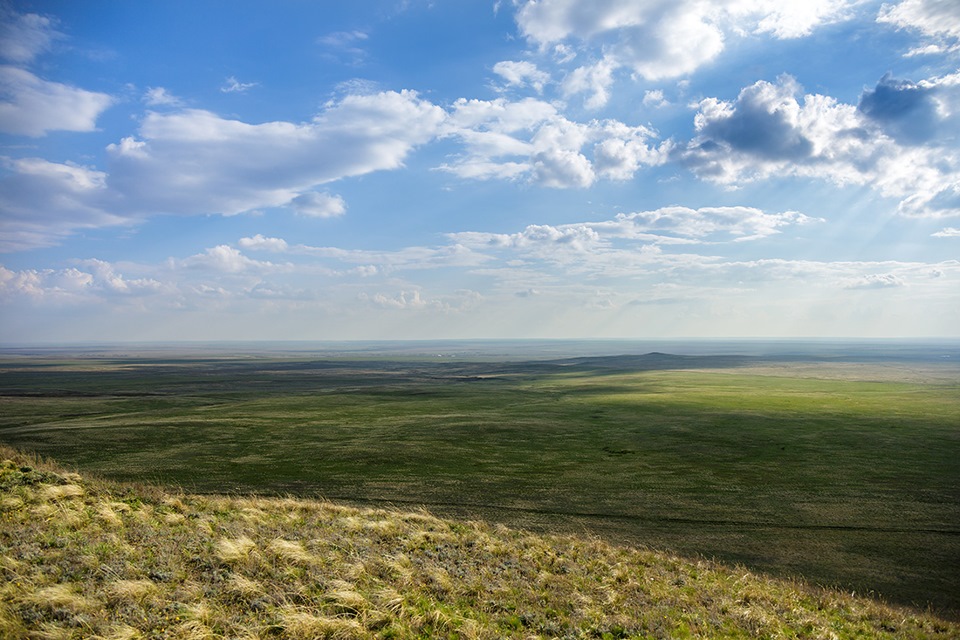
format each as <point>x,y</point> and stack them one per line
<point>655,360</point>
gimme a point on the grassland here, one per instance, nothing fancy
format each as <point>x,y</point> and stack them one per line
<point>847,475</point>
<point>92,559</point>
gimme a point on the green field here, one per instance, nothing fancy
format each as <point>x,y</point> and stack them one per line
<point>845,474</point>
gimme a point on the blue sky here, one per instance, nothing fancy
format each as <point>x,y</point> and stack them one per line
<point>450,169</point>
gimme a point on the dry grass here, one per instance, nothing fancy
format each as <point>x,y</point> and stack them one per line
<point>84,559</point>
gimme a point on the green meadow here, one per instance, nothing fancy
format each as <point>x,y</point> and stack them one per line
<point>846,475</point>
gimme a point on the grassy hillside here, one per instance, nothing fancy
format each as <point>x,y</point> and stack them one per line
<point>92,559</point>
<point>844,473</point>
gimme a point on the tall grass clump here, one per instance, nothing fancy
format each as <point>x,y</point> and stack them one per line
<point>81,558</point>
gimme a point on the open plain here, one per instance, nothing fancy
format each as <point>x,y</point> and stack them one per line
<point>841,470</point>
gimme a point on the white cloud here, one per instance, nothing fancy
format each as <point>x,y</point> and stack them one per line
<point>259,242</point>
<point>74,285</point>
<point>561,168</point>
<point>195,162</point>
<point>521,73</point>
<point>937,19</point>
<point>25,36</point>
<point>947,232</point>
<point>594,80</point>
<point>794,19</point>
<point>318,205</point>
<point>601,272</point>
<point>226,259</point>
<point>622,150</point>
<point>408,300</point>
<point>530,140</point>
<point>42,202</point>
<point>539,237</point>
<point>654,98</point>
<point>769,131</point>
<point>668,38</point>
<point>401,300</point>
<point>160,97</point>
<point>709,223</point>
<point>32,106</point>
<point>232,85</point>
<point>876,281</point>
<point>106,276</point>
<point>668,226</point>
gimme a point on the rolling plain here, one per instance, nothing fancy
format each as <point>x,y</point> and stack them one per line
<point>842,470</point>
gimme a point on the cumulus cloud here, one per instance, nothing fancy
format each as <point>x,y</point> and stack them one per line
<point>226,259</point>
<point>97,279</point>
<point>521,74</point>
<point>668,38</point>
<point>529,139</point>
<point>194,161</point>
<point>32,106</point>
<point>654,98</point>
<point>108,278</point>
<point>318,205</point>
<point>656,39</point>
<point>770,130</point>
<point>594,80</point>
<point>793,19</point>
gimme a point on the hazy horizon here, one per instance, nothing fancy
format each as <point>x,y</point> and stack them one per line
<point>944,351</point>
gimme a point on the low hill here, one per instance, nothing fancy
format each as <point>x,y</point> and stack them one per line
<point>83,558</point>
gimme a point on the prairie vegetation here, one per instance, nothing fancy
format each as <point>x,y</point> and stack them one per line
<point>83,558</point>
<point>845,474</point>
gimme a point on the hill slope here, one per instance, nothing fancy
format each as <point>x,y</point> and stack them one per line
<point>83,558</point>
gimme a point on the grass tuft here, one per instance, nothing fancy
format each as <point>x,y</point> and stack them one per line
<point>61,492</point>
<point>290,551</point>
<point>234,550</point>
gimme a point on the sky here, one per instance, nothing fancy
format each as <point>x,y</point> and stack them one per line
<point>386,169</point>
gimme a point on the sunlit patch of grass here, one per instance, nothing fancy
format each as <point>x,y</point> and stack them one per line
<point>290,551</point>
<point>301,623</point>
<point>258,568</point>
<point>235,549</point>
<point>60,596</point>
<point>61,492</point>
<point>131,590</point>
